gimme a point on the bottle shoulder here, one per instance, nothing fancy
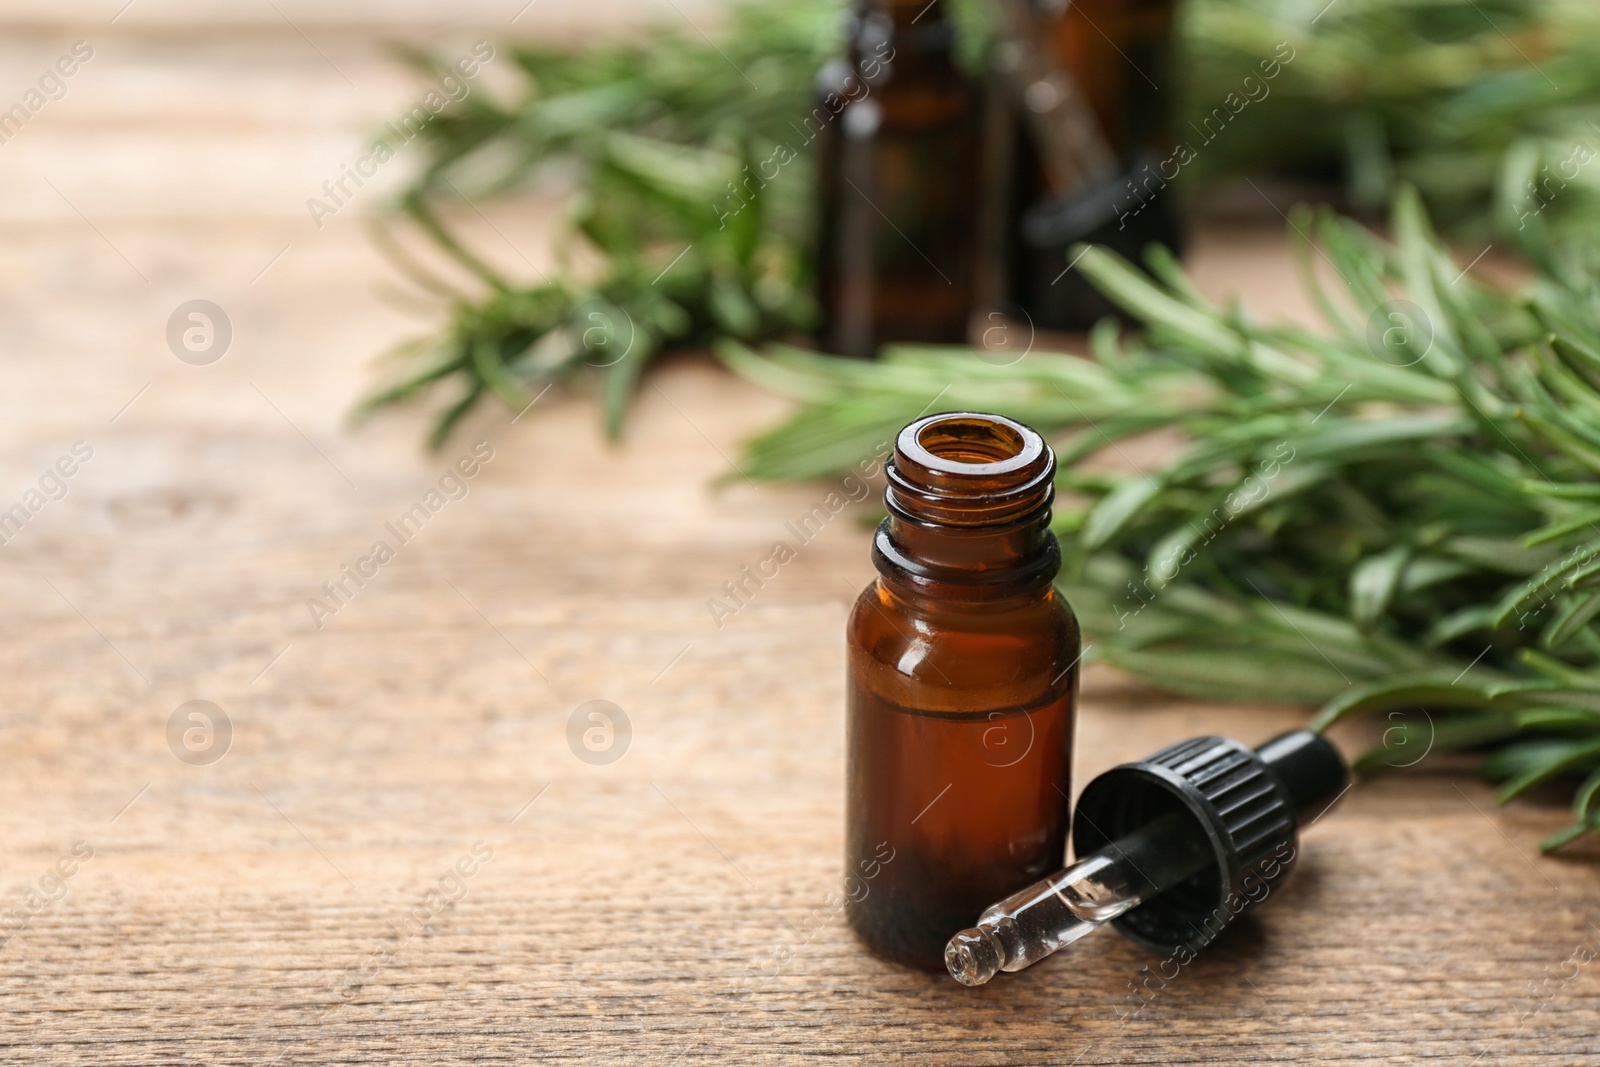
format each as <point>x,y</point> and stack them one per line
<point>1046,611</point>
<point>919,655</point>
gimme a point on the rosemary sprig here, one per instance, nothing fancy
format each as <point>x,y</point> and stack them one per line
<point>1488,107</point>
<point>1491,108</point>
<point>669,145</point>
<point>1401,516</point>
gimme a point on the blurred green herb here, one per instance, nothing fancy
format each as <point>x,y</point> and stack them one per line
<point>1400,517</point>
<point>1489,107</point>
<point>669,145</point>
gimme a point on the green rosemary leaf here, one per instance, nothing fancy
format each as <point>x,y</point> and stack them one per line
<point>1166,269</point>
<point>617,387</point>
<point>1557,719</point>
<point>1537,761</point>
<point>1585,811</point>
<point>1586,801</point>
<point>1565,386</point>
<point>1500,555</point>
<point>1407,741</point>
<point>1565,572</point>
<point>1359,264</point>
<point>1135,293</point>
<point>1399,693</point>
<point>1570,443</point>
<point>1481,471</point>
<point>1561,491</point>
<point>1575,614</point>
<point>1302,220</point>
<point>412,386</point>
<point>1348,440</point>
<point>1564,837</point>
<point>1554,669</point>
<point>1524,756</point>
<point>1373,582</point>
<point>486,360</point>
<point>1231,673</point>
<point>1457,624</point>
<point>1538,692</point>
<point>1116,510</point>
<point>454,414</point>
<point>1421,572</point>
<point>1578,355</point>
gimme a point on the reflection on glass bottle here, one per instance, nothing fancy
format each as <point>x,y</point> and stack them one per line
<point>898,182</point>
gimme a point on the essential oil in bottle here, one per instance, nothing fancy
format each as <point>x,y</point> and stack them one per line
<point>963,668</point>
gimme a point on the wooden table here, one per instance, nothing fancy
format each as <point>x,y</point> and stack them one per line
<point>287,903</point>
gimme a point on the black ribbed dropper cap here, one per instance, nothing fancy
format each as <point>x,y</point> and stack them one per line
<point>1249,805</point>
<point>1310,768</point>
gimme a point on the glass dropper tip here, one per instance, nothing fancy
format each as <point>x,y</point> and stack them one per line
<point>974,956</point>
<point>1051,914</point>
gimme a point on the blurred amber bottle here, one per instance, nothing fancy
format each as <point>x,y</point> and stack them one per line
<point>1119,55</point>
<point>899,176</point>
<point>962,691</point>
<point>1118,51</point>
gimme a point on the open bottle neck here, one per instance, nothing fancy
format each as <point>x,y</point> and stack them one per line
<point>969,500</point>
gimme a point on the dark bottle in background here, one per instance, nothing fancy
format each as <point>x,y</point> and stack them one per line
<point>1119,55</point>
<point>899,175</point>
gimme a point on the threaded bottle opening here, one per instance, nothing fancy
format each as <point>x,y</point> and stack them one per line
<point>970,469</point>
<point>974,442</point>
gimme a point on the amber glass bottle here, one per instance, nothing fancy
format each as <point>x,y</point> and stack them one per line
<point>898,174</point>
<point>962,688</point>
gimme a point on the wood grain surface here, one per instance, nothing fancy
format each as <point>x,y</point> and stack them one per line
<point>293,902</point>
